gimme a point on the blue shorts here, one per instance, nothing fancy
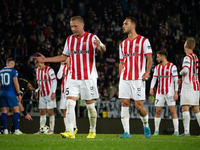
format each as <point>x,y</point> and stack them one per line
<point>10,102</point>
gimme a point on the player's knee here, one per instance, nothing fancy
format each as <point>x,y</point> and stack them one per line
<point>125,104</point>
<point>158,112</point>
<point>139,108</point>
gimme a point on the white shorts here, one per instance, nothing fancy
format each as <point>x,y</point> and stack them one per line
<point>87,88</point>
<point>134,89</point>
<point>47,102</point>
<point>161,98</point>
<point>189,97</point>
<point>63,101</point>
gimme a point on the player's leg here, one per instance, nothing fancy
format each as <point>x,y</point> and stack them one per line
<point>72,91</point>
<point>175,119</point>
<point>92,115</point>
<point>159,103</point>
<point>43,117</point>
<point>21,108</point>
<point>157,119</point>
<point>16,120</point>
<point>89,92</point>
<point>197,113</point>
<point>125,116</point>
<point>125,95</point>
<point>186,120</point>
<point>4,120</point>
<point>70,117</point>
<point>139,105</point>
<point>51,121</point>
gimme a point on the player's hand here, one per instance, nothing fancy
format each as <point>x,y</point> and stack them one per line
<point>145,76</point>
<point>36,95</point>
<point>175,96</point>
<point>96,42</point>
<point>151,91</point>
<point>179,81</point>
<point>41,58</point>
<point>28,117</point>
<point>53,96</point>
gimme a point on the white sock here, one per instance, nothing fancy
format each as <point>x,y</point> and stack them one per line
<point>145,120</point>
<point>186,122</point>
<point>65,122</point>
<point>70,114</point>
<point>198,117</point>
<point>52,122</point>
<point>125,116</point>
<point>157,123</point>
<point>175,122</point>
<point>92,115</point>
<point>42,120</point>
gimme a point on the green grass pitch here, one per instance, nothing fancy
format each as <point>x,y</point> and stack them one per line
<point>101,142</point>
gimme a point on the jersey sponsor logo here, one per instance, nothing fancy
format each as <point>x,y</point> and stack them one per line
<point>149,47</point>
<point>163,76</point>
<point>131,54</point>
<point>139,89</point>
<point>52,74</point>
<point>79,52</point>
<point>44,80</point>
<point>175,71</point>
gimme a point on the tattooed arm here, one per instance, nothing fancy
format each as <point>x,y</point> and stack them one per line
<point>149,65</point>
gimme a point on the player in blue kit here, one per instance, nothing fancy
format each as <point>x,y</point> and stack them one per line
<point>10,85</point>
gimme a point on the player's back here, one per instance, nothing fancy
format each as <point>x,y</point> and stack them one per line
<point>7,84</point>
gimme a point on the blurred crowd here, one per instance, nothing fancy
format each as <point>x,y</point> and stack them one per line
<point>31,26</point>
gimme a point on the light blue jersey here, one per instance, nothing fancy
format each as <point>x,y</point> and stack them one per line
<point>7,85</point>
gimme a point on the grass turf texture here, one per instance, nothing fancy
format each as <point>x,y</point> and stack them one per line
<point>101,142</point>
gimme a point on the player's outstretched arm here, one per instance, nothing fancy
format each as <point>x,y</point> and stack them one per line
<point>42,58</point>
<point>30,87</point>
<point>21,109</point>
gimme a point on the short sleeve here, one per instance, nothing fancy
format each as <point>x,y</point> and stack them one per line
<point>121,57</point>
<point>66,48</point>
<point>93,38</point>
<point>15,73</point>
<point>174,71</point>
<point>147,47</point>
<point>186,62</point>
<point>52,74</point>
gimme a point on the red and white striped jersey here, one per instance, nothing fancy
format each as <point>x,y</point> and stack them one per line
<point>165,75</point>
<point>44,78</point>
<point>191,61</point>
<point>133,53</point>
<point>82,56</point>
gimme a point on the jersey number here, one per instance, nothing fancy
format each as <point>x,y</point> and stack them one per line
<point>5,79</point>
<point>67,91</point>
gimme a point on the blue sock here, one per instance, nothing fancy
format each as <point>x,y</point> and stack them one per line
<point>4,120</point>
<point>16,120</point>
